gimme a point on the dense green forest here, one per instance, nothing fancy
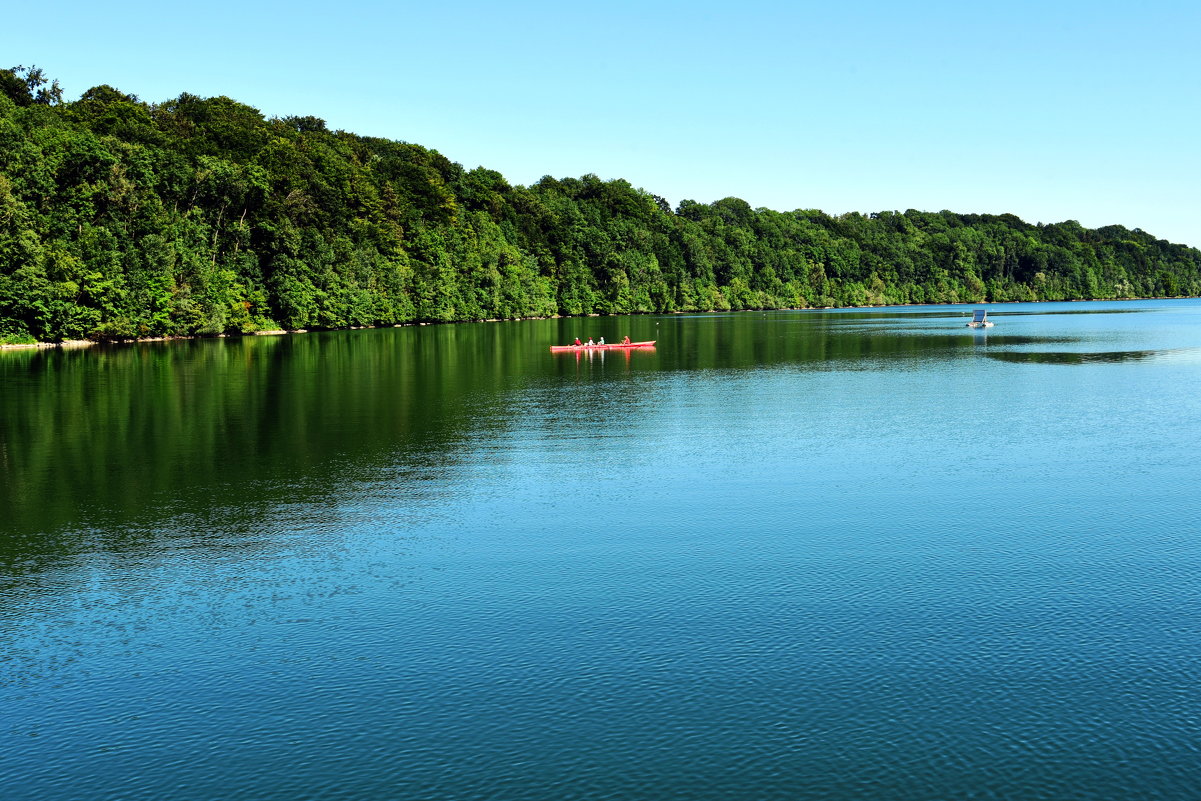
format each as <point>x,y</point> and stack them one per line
<point>121,219</point>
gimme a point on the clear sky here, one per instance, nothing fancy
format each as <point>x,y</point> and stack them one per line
<point>1086,110</point>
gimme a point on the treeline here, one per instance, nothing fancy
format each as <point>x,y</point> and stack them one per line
<point>121,219</point>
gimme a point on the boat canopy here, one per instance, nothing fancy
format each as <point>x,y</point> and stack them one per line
<point>978,315</point>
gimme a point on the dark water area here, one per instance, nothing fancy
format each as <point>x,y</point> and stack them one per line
<point>857,554</point>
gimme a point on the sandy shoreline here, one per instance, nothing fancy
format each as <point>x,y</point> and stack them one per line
<point>83,343</point>
<point>66,343</point>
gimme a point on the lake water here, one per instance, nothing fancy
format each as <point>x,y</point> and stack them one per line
<point>862,554</point>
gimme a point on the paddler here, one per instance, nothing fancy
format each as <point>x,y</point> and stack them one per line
<point>577,342</point>
<point>589,343</point>
<point>602,341</point>
<point>626,341</point>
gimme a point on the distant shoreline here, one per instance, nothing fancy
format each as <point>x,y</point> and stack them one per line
<point>71,344</point>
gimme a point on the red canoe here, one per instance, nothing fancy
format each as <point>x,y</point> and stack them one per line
<point>617,346</point>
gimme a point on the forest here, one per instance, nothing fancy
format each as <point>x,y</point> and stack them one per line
<point>123,219</point>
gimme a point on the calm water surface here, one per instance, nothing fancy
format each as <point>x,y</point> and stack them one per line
<point>795,555</point>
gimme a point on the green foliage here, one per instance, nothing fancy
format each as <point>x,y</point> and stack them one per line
<point>123,219</point>
<point>28,85</point>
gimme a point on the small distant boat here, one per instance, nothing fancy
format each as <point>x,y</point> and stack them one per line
<point>613,346</point>
<point>980,319</point>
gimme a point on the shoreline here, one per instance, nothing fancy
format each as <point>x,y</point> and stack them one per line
<point>71,344</point>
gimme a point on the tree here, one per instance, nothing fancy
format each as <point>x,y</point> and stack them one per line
<point>28,85</point>
<point>121,218</point>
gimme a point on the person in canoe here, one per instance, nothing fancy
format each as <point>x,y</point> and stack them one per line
<point>626,341</point>
<point>600,341</point>
<point>577,342</point>
<point>589,343</point>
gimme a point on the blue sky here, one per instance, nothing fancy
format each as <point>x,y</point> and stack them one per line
<point>1056,110</point>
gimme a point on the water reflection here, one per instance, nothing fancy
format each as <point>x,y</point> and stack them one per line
<point>102,437</point>
<point>1092,308</point>
<point>421,562</point>
<point>625,355</point>
<point>1071,357</point>
<point>94,438</point>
